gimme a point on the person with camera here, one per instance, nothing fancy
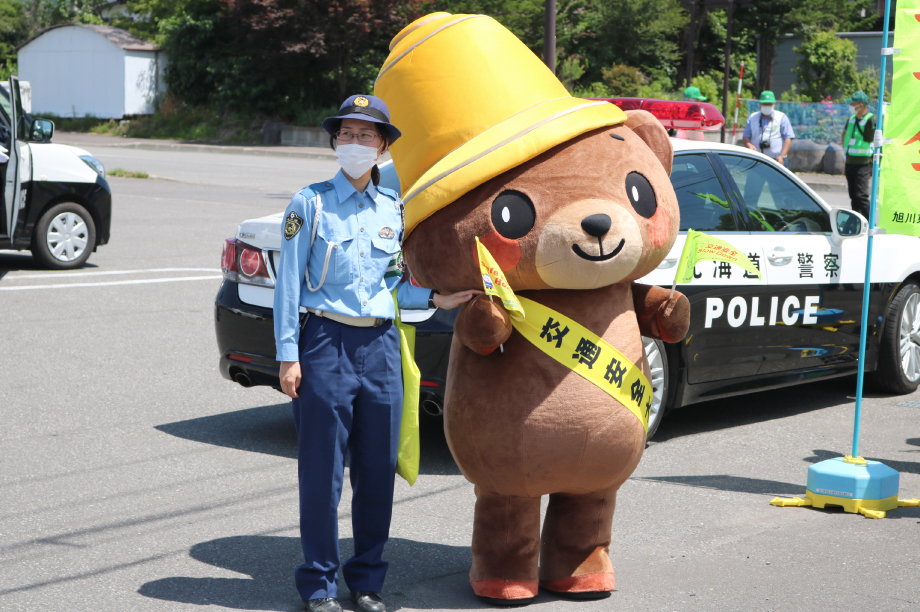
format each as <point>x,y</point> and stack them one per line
<point>769,131</point>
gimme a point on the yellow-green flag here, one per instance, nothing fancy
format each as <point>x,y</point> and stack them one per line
<point>494,282</point>
<point>700,246</point>
<point>899,186</point>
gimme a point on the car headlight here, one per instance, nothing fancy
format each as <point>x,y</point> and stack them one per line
<point>94,163</point>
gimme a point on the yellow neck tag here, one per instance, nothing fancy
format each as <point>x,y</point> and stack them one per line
<point>589,356</point>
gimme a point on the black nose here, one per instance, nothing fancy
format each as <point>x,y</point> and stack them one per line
<point>596,225</point>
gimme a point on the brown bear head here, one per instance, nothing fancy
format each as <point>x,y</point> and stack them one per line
<point>593,211</point>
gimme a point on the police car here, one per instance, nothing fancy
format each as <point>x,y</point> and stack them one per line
<point>798,323</point>
<point>54,199</point>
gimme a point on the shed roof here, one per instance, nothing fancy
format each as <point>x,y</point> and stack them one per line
<point>121,38</point>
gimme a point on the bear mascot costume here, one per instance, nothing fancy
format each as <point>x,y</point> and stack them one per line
<point>572,199</point>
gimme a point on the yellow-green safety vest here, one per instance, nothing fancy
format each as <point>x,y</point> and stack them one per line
<point>855,139</point>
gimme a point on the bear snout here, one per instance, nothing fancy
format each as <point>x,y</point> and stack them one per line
<point>588,244</point>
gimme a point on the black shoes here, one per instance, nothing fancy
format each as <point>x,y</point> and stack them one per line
<point>368,601</point>
<point>325,604</point>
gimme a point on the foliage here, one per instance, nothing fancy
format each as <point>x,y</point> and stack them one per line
<point>119,172</point>
<point>623,81</point>
<point>827,65</point>
<point>570,70</point>
<point>867,81</point>
<point>523,17</point>
<point>14,29</point>
<point>641,33</point>
<point>777,17</point>
<point>793,95</point>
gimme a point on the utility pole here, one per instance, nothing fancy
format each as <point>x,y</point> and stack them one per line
<point>690,42</point>
<point>549,34</point>
<point>728,66</point>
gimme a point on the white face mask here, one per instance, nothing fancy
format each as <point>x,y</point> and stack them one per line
<point>356,159</point>
<point>854,110</point>
<point>766,109</point>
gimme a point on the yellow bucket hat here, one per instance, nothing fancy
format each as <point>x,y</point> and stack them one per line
<point>472,101</point>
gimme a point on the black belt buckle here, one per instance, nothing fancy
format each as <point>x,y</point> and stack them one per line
<point>378,322</point>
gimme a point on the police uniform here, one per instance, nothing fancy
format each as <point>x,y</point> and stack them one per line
<point>351,387</point>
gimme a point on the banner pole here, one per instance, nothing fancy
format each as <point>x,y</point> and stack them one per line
<point>876,160</point>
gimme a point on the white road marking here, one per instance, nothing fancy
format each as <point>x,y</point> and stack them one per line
<point>127,282</point>
<point>68,274</point>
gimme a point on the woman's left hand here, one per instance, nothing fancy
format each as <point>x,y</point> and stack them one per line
<point>452,300</point>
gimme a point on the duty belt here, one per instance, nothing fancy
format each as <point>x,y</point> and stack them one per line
<point>346,320</point>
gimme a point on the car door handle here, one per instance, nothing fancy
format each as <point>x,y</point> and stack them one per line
<point>667,263</point>
<point>779,255</point>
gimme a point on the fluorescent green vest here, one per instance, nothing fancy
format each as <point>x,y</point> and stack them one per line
<point>856,143</point>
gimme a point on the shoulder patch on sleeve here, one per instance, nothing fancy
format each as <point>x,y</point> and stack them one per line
<point>320,187</point>
<point>292,224</point>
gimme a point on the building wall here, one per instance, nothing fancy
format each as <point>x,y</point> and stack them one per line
<point>143,81</point>
<point>74,71</point>
<point>868,52</point>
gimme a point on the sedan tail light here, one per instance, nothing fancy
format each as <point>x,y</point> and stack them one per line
<point>244,263</point>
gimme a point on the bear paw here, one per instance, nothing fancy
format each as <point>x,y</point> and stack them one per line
<point>505,592</point>
<point>586,586</point>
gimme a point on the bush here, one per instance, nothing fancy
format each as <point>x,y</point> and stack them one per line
<point>623,81</point>
<point>827,65</point>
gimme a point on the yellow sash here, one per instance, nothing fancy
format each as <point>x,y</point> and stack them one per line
<point>589,356</point>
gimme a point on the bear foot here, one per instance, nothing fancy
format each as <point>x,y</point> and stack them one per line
<point>505,592</point>
<point>586,586</point>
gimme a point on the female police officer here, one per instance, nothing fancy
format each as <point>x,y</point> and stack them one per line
<point>340,361</point>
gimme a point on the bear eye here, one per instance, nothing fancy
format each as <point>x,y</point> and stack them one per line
<point>641,195</point>
<point>513,214</point>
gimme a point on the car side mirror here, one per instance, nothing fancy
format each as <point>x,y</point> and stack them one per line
<point>41,130</point>
<point>847,224</point>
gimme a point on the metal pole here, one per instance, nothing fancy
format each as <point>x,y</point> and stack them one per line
<point>728,56</point>
<point>690,42</point>
<point>738,102</point>
<point>876,160</point>
<point>549,34</point>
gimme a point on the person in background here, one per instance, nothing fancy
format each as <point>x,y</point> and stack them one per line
<point>858,134</point>
<point>769,131</point>
<point>691,94</point>
<point>340,359</point>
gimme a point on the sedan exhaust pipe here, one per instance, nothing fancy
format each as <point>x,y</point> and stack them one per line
<point>243,380</point>
<point>432,408</point>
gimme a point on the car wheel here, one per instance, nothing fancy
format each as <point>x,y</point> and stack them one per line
<point>657,356</point>
<point>64,237</point>
<point>898,368</point>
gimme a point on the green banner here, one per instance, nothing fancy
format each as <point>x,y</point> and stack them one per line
<point>899,189</point>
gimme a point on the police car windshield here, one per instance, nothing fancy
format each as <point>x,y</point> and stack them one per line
<point>773,201</point>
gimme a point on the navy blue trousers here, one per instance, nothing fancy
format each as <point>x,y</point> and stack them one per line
<point>351,398</point>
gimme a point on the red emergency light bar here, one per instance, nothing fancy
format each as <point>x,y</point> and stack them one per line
<point>673,113</point>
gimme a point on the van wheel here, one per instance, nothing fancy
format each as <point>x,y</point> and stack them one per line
<point>898,368</point>
<point>657,356</point>
<point>64,237</point>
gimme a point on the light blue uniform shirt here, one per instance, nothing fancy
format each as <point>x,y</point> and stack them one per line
<point>361,232</point>
<point>777,128</point>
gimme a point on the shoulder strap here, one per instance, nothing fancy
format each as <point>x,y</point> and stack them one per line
<point>329,247</point>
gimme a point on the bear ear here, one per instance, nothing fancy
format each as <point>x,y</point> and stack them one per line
<point>645,126</point>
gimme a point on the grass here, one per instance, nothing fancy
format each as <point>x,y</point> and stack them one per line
<point>173,120</point>
<point>127,173</point>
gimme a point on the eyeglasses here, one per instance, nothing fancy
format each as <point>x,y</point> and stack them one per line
<point>347,136</point>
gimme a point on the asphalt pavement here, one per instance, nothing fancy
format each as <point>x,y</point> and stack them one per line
<point>134,477</point>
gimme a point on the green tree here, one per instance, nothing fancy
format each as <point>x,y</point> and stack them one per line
<point>623,81</point>
<point>643,33</point>
<point>826,66</point>
<point>778,17</point>
<point>523,17</point>
<point>14,30</point>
